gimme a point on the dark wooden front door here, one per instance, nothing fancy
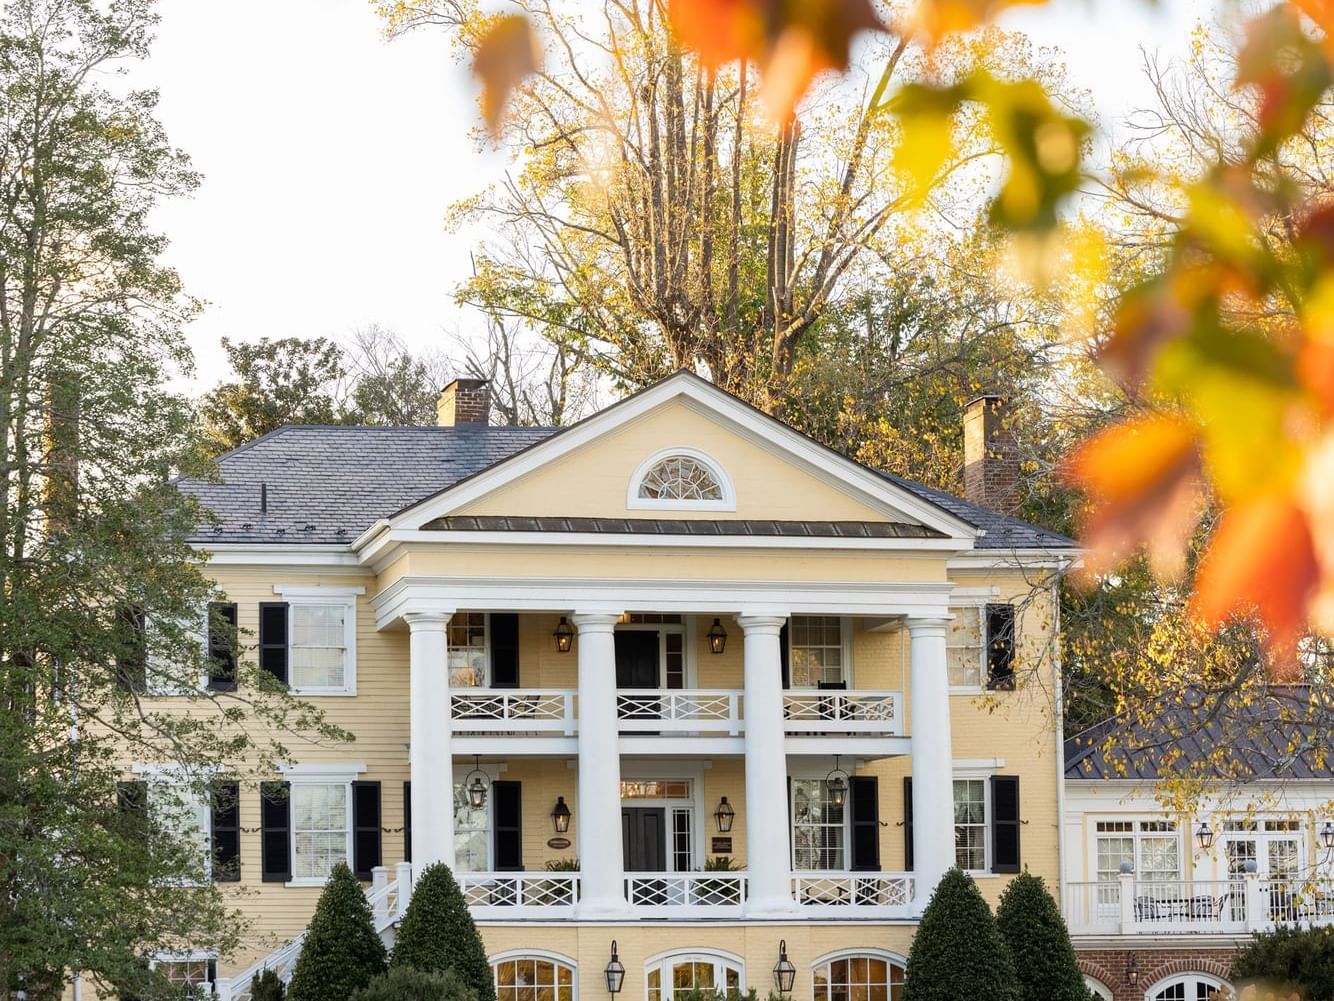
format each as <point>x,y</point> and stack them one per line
<point>636,659</point>
<point>644,835</point>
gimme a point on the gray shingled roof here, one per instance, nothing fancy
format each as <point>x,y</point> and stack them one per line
<point>1283,734</point>
<point>682,526</point>
<point>329,483</point>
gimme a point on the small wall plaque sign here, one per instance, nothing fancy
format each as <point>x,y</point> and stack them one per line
<point>722,846</point>
<point>558,843</point>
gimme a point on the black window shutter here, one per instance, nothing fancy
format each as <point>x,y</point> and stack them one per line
<point>504,628</point>
<point>225,833</point>
<point>907,823</point>
<point>132,657</point>
<point>273,638</point>
<point>1005,823</point>
<point>365,828</point>
<point>132,802</point>
<point>407,821</point>
<point>275,822</point>
<point>222,646</point>
<point>783,646</point>
<point>508,833</point>
<point>1000,647</point>
<point>864,793</point>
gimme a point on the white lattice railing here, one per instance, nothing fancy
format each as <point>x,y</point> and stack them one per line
<point>680,710</point>
<point>885,893</point>
<point>513,894</point>
<point>513,710</point>
<point>686,892</point>
<point>387,898</point>
<point>835,712</point>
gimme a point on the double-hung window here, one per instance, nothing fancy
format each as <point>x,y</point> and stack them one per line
<point>816,654</point>
<point>1151,847</point>
<point>321,828</point>
<point>321,639</point>
<point>819,830</point>
<point>469,652</point>
<point>970,824</point>
<point>182,813</point>
<point>980,647</point>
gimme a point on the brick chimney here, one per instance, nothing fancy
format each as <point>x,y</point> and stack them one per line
<point>464,402</point>
<point>990,455</point>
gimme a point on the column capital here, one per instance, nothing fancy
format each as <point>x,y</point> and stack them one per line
<point>761,625</point>
<point>595,622</point>
<point>928,625</point>
<point>427,622</point>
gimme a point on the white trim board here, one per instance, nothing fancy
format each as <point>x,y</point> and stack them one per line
<point>863,485</point>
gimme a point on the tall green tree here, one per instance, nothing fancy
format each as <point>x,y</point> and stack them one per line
<point>958,953</point>
<point>1039,943</point>
<point>437,934</point>
<point>102,595</point>
<point>341,953</point>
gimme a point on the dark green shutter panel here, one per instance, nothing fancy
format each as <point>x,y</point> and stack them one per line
<point>225,832</point>
<point>504,650</point>
<point>222,646</point>
<point>273,638</point>
<point>508,833</point>
<point>783,646</point>
<point>907,823</point>
<point>132,653</point>
<point>1000,647</point>
<point>275,823</point>
<point>864,795</point>
<point>365,828</point>
<point>407,821</point>
<point>1005,823</point>
<point>132,803</point>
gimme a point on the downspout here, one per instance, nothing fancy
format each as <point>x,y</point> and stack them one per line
<point>1060,743</point>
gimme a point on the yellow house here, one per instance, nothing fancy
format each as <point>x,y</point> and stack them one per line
<point>675,683</point>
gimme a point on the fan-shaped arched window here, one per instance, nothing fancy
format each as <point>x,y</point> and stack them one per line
<point>680,478</point>
<point>859,976</point>
<point>524,977</point>
<point>1189,987</point>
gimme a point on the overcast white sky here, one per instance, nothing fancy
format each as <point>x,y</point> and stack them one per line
<point>330,156</point>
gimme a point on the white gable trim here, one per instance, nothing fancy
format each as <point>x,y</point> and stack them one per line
<point>861,484</point>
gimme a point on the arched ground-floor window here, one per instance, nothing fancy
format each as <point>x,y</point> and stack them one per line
<point>533,977</point>
<point>862,976</point>
<point>1098,988</point>
<point>680,972</point>
<point>1189,987</point>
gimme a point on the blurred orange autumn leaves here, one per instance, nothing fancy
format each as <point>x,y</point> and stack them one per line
<point>1226,353</point>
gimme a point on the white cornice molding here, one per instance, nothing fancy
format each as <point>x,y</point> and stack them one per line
<point>321,558</point>
<point>838,472</point>
<point>778,597</point>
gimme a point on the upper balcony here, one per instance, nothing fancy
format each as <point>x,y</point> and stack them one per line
<point>670,720</point>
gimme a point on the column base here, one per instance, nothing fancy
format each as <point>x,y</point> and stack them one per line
<point>770,908</point>
<point>602,910</point>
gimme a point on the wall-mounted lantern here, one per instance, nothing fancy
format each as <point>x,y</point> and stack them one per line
<point>717,636</point>
<point>1132,971</point>
<point>1204,834</point>
<point>1327,834</point>
<point>564,635</point>
<point>615,972</point>
<point>724,815</point>
<point>560,816</point>
<point>785,974</point>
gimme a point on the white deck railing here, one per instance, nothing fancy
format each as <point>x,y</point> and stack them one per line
<point>1093,908</point>
<point>513,710</point>
<point>680,710</point>
<point>843,712</point>
<point>872,894</point>
<point>701,894</point>
<point>520,894</point>
<point>1198,906</point>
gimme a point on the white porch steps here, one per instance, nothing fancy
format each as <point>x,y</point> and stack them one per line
<point>388,899</point>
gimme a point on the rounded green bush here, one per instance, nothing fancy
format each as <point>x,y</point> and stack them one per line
<point>437,933</point>
<point>404,983</point>
<point>1033,929</point>
<point>958,953</point>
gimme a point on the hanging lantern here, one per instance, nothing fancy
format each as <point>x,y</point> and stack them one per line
<point>836,785</point>
<point>476,783</point>
<point>717,636</point>
<point>564,635</point>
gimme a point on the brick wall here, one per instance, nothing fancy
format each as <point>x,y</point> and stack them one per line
<point>464,401</point>
<point>1110,966</point>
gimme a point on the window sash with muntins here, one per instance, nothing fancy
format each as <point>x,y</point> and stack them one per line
<point>970,824</point>
<point>321,828</point>
<point>816,651</point>
<point>819,828</point>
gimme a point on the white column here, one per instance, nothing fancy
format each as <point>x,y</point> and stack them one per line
<point>768,860</point>
<point>430,757</point>
<point>601,854</point>
<point>932,758</point>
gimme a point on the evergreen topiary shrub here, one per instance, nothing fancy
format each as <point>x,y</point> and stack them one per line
<point>267,986</point>
<point>1290,959</point>
<point>1039,943</point>
<point>437,933</point>
<point>958,953</point>
<point>342,951</point>
<point>403,983</point>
